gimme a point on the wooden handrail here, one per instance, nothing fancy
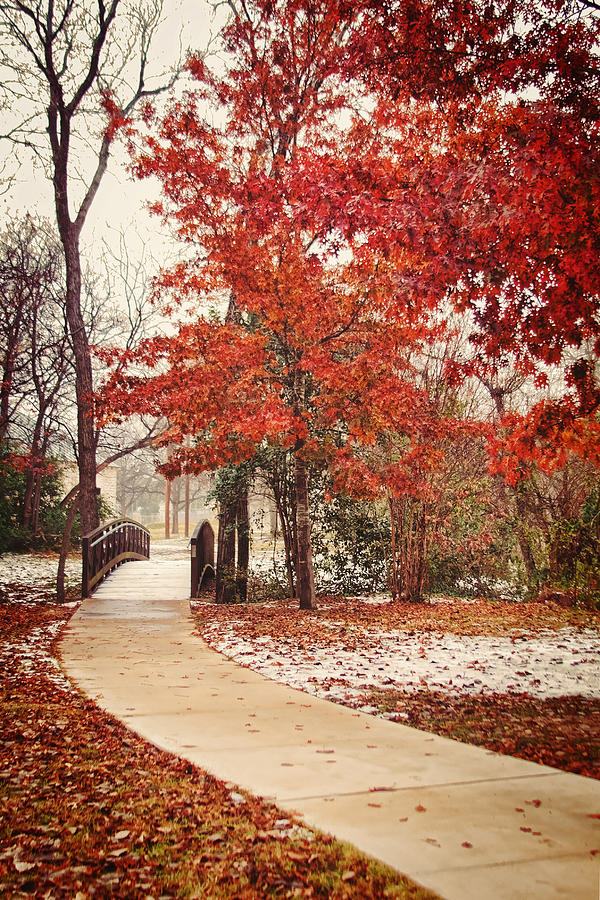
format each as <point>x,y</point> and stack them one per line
<point>202,544</point>
<point>105,548</point>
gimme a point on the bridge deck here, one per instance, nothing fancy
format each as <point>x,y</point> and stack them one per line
<point>444,813</point>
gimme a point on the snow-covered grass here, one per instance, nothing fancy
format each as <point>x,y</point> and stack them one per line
<point>28,577</point>
<point>545,663</point>
<point>28,580</point>
<point>174,548</point>
<point>33,654</point>
<point>551,664</point>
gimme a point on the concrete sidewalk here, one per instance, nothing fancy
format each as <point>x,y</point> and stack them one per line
<point>464,822</point>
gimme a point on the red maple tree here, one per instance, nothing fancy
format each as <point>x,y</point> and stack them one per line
<point>337,195</point>
<point>302,334</point>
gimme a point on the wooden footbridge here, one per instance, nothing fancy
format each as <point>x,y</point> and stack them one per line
<point>121,540</point>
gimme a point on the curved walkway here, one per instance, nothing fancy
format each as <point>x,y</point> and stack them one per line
<point>464,822</point>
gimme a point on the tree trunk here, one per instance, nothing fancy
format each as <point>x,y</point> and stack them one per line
<point>5,392</point>
<point>175,495</point>
<point>287,531</point>
<point>305,570</point>
<point>64,549</point>
<point>12,337</point>
<point>243,546</point>
<point>290,548</point>
<point>523,517</point>
<point>167,509</point>
<point>29,491</point>
<point>394,558</point>
<point>84,386</point>
<point>187,506</point>
<point>408,518</point>
<point>225,574</point>
<point>37,500</point>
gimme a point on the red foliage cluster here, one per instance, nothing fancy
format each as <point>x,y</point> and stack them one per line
<point>378,166</point>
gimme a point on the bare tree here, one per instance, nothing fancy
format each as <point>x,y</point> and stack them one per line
<point>64,63</point>
<point>29,279</point>
<point>33,351</point>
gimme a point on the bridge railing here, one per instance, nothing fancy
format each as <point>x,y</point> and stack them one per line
<point>105,548</point>
<point>202,543</point>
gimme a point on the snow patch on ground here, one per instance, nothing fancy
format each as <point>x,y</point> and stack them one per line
<point>27,578</point>
<point>33,575</point>
<point>551,664</point>
<point>33,654</point>
<point>173,548</point>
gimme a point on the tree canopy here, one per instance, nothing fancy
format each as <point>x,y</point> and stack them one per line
<point>348,177</point>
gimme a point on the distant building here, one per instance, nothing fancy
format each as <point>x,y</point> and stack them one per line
<point>106,481</point>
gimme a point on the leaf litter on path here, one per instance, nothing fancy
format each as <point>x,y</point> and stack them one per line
<point>87,808</point>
